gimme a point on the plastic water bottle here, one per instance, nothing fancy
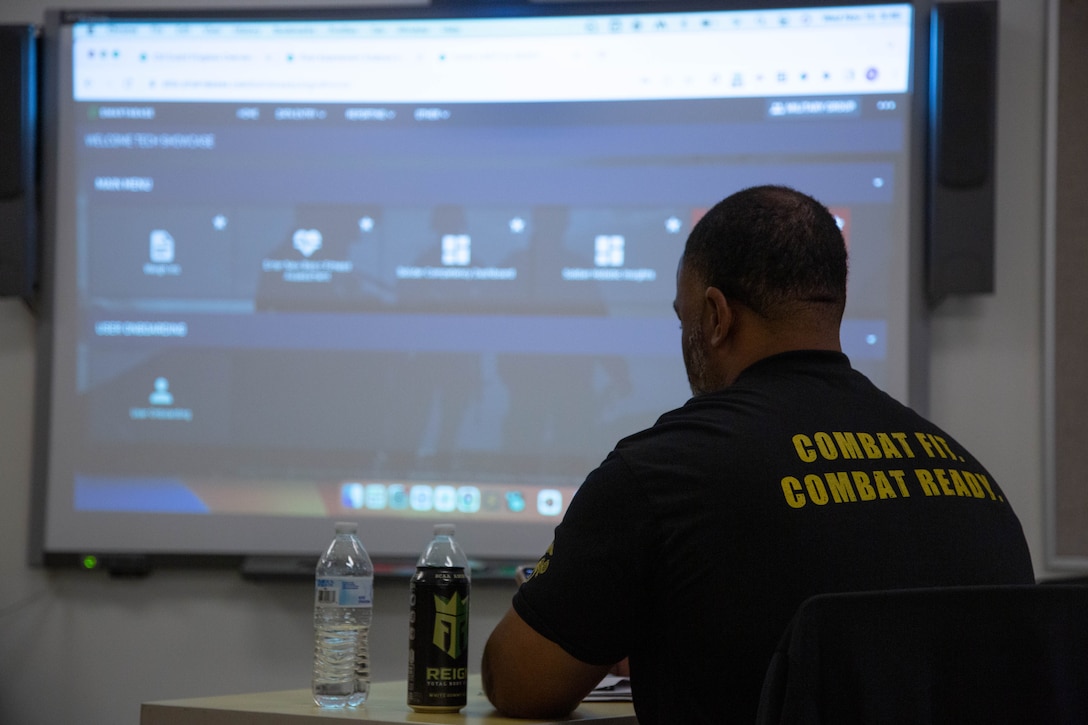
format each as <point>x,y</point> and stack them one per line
<point>444,551</point>
<point>438,626</point>
<point>343,599</point>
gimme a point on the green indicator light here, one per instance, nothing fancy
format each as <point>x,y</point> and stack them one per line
<point>90,562</point>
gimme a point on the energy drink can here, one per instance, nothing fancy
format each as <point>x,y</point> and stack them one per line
<point>438,640</point>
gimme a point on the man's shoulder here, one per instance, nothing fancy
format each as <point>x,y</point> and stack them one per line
<point>686,435</point>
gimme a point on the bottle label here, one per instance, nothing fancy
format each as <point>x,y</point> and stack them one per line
<point>344,591</point>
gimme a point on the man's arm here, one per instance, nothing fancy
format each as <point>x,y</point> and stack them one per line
<point>527,675</point>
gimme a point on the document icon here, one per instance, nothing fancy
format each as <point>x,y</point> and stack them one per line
<point>161,249</point>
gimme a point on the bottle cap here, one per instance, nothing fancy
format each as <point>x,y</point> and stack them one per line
<point>346,527</point>
<point>443,530</point>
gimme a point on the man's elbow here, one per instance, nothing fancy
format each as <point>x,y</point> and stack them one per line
<point>491,687</point>
<point>513,698</point>
<point>517,704</point>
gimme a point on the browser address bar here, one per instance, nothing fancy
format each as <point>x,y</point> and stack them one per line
<point>670,65</point>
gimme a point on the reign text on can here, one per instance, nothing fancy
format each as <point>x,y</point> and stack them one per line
<point>438,640</point>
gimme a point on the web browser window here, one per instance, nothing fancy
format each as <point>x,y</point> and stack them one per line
<point>410,268</point>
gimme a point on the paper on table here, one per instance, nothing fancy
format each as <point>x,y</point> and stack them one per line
<point>611,689</point>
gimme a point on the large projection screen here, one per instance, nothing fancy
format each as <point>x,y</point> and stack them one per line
<point>409,265</point>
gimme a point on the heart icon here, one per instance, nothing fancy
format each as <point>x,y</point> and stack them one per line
<point>306,241</point>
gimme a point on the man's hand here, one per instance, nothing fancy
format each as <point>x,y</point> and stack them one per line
<point>528,675</point>
<point>621,669</point>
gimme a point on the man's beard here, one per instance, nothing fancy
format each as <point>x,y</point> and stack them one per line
<point>695,361</point>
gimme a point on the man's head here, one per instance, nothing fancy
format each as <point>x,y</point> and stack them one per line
<point>764,271</point>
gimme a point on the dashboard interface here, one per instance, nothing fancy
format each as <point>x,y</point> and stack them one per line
<point>405,269</point>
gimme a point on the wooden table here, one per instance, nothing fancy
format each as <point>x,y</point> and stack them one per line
<point>386,704</point>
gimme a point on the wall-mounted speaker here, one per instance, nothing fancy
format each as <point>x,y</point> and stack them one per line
<point>961,146</point>
<point>18,161</point>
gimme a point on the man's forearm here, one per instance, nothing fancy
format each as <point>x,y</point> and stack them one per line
<point>527,675</point>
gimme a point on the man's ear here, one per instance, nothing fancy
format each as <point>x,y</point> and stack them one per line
<point>720,316</point>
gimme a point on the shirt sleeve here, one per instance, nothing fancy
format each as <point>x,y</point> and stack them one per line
<point>588,588</point>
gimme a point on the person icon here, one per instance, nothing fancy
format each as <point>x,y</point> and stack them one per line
<point>161,395</point>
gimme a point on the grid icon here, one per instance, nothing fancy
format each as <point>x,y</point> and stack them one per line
<point>608,250</point>
<point>456,250</point>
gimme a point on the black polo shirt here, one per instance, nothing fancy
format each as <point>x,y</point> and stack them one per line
<point>693,543</point>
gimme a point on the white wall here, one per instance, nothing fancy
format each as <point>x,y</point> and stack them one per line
<point>80,647</point>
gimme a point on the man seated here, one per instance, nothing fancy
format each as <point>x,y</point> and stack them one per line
<point>787,474</point>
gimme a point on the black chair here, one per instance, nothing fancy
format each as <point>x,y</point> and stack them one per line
<point>982,654</point>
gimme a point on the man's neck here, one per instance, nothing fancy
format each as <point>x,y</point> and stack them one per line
<point>758,338</point>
